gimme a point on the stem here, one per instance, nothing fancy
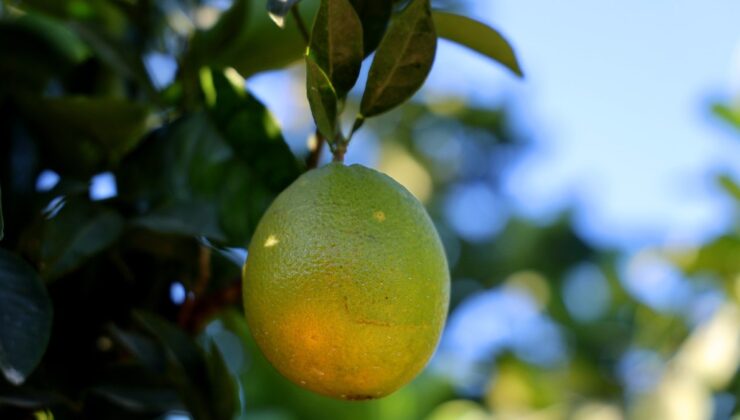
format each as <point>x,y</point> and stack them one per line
<point>315,156</point>
<point>300,23</point>
<point>201,283</point>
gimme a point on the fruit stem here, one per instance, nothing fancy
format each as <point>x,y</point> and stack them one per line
<point>315,156</point>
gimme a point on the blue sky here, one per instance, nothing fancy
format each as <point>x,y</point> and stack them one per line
<point>616,100</point>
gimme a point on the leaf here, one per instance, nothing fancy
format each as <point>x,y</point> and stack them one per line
<point>478,37</point>
<point>374,15</point>
<point>187,217</point>
<point>728,113</point>
<point>403,60</point>
<point>211,173</point>
<point>223,386</point>
<point>119,56</point>
<point>25,315</point>
<point>187,366</point>
<point>725,181</point>
<point>34,48</point>
<point>322,99</point>
<point>80,231</point>
<point>719,257</point>
<point>84,135</point>
<point>336,43</point>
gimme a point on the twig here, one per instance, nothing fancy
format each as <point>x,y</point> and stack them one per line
<point>200,286</point>
<point>299,22</point>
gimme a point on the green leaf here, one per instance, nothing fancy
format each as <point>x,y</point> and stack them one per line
<point>719,257</point>
<point>322,99</point>
<point>478,37</point>
<point>192,217</point>
<point>403,60</point>
<point>25,314</point>
<point>35,48</point>
<point>211,173</point>
<point>728,113</point>
<point>336,43</point>
<point>84,135</point>
<point>201,377</point>
<point>118,55</point>
<point>374,15</point>
<point>80,231</point>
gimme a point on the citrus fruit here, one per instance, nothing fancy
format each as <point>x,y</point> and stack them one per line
<point>346,286</point>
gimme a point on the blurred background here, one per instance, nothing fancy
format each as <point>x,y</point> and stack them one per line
<point>590,212</point>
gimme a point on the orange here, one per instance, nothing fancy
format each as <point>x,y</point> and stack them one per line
<point>346,287</point>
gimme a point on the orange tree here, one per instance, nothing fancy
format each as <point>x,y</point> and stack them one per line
<point>89,324</point>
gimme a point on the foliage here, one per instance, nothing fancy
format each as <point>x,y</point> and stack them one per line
<point>128,305</point>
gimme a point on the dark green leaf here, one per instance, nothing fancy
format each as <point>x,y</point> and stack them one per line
<point>25,315</point>
<point>374,15</point>
<point>146,351</point>
<point>728,113</point>
<point>187,367</point>
<point>403,60</point>
<point>322,98</point>
<point>223,387</point>
<point>336,43</point>
<point>77,233</point>
<point>84,135</point>
<point>117,55</point>
<point>478,37</point>
<point>35,48</point>
<point>187,217</point>
<point>140,398</point>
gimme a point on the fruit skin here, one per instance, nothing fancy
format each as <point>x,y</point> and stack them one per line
<point>346,287</point>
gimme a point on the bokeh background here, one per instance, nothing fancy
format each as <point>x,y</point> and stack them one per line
<point>590,213</point>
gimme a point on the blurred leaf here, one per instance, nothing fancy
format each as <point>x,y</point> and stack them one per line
<point>119,56</point>
<point>322,99</point>
<point>728,113</point>
<point>208,46</point>
<point>34,48</point>
<point>336,44</point>
<point>478,37</point>
<point>403,60</point>
<point>725,181</point>
<point>84,135</point>
<point>77,233</point>
<point>374,15</point>
<point>719,257</point>
<point>26,316</point>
